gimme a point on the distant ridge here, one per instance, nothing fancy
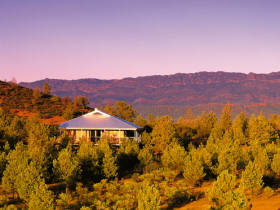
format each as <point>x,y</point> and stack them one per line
<point>178,89</point>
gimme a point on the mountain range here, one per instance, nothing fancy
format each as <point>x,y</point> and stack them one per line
<point>202,89</point>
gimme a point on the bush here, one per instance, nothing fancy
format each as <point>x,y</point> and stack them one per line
<point>193,170</point>
<point>127,157</point>
<point>146,158</point>
<point>251,177</point>
<point>148,198</point>
<point>173,157</point>
<point>66,166</point>
<point>275,165</point>
<point>224,194</point>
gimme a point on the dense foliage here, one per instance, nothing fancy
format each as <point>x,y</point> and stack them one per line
<point>238,156</point>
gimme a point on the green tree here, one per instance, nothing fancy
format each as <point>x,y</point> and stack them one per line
<point>109,160</point>
<point>41,147</point>
<point>260,131</point>
<point>275,165</point>
<point>81,102</point>
<point>122,110</point>
<point>140,121</point>
<point>229,154</point>
<point>226,117</point>
<point>66,166</point>
<point>4,122</point>
<point>110,168</point>
<point>173,157</point>
<point>259,155</point>
<point>163,133</point>
<point>89,161</point>
<point>3,162</point>
<point>148,198</point>
<point>193,170</point>
<point>205,123</point>
<point>68,113</point>
<point>225,195</point>
<point>41,198</point>
<point>27,181</point>
<point>239,126</point>
<point>17,161</point>
<point>251,177</point>
<point>46,88</point>
<point>36,93</point>
<point>146,158</point>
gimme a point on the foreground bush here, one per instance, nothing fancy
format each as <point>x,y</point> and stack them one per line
<point>193,170</point>
<point>174,157</point>
<point>251,177</point>
<point>148,198</point>
<point>225,195</point>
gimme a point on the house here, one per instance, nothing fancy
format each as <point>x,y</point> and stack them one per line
<point>97,124</point>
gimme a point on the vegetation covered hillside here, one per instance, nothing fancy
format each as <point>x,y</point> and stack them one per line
<point>21,101</point>
<point>171,94</point>
<point>194,162</point>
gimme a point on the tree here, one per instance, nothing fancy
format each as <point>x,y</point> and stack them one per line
<point>146,157</point>
<point>127,156</point>
<point>68,113</point>
<point>163,133</point>
<point>251,177</point>
<point>173,157</point>
<point>41,198</point>
<point>4,122</point>
<point>260,131</point>
<point>17,161</point>
<point>140,121</point>
<point>109,160</point>
<point>239,127</point>
<point>225,195</point>
<point>27,181</point>
<point>148,198</point>
<point>37,93</point>
<point>81,102</point>
<point>40,146</point>
<point>275,165</point>
<point>226,117</point>
<point>89,161</point>
<point>122,110</point>
<point>66,166</point>
<point>193,170</point>
<point>46,88</point>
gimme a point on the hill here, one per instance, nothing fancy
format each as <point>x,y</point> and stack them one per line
<point>15,99</point>
<point>198,90</point>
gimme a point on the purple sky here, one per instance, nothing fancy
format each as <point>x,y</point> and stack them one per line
<point>71,39</point>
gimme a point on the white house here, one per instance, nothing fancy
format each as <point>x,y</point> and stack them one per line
<point>97,124</point>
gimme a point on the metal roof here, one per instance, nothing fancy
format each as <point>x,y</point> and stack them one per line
<point>98,120</point>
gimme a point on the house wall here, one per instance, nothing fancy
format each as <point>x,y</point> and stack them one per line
<point>114,135</point>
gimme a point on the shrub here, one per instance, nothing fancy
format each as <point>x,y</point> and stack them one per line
<point>173,157</point>
<point>146,158</point>
<point>127,157</point>
<point>193,170</point>
<point>41,198</point>
<point>163,133</point>
<point>224,194</point>
<point>64,200</point>
<point>275,165</point>
<point>66,166</point>
<point>251,177</point>
<point>89,160</point>
<point>148,198</point>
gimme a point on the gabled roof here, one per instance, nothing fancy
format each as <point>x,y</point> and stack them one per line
<point>98,120</point>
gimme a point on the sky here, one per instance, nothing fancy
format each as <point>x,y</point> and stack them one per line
<point>113,39</point>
